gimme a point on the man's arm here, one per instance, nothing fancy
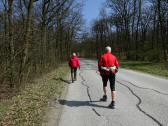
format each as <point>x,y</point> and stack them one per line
<point>100,63</point>
<point>117,64</point>
<point>79,63</point>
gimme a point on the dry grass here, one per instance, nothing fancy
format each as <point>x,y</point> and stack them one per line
<point>27,108</point>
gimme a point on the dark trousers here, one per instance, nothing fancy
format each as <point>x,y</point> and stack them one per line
<point>111,78</point>
<point>73,73</point>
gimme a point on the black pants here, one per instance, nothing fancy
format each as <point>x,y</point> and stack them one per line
<point>73,73</point>
<point>111,78</point>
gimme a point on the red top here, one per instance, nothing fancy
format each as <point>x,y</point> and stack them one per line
<point>108,60</point>
<point>74,62</point>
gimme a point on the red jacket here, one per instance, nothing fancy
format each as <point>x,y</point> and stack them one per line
<point>74,62</point>
<point>107,60</point>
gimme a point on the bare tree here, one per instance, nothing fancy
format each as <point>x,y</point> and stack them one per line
<point>36,36</point>
<point>136,28</point>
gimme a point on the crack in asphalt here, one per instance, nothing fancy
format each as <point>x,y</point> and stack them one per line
<point>162,93</point>
<point>87,87</point>
<point>138,104</point>
<point>96,112</point>
<point>139,99</point>
<point>93,109</point>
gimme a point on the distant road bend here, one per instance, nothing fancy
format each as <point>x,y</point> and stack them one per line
<point>142,100</point>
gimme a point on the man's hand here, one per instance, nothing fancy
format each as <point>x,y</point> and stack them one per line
<point>105,68</point>
<point>113,69</point>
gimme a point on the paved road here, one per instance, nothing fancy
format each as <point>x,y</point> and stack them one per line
<point>142,100</point>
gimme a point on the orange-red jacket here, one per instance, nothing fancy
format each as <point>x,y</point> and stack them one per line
<point>74,62</point>
<point>108,60</point>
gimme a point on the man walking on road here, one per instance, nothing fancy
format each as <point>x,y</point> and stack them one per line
<point>74,64</point>
<point>108,66</point>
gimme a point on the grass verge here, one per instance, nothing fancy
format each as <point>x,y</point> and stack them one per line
<point>28,108</point>
<point>147,67</point>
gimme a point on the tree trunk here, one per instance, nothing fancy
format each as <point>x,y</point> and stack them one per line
<point>137,29</point>
<point>11,41</point>
<point>27,37</point>
<point>161,31</point>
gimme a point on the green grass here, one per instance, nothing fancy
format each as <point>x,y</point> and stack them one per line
<point>28,108</point>
<point>147,67</point>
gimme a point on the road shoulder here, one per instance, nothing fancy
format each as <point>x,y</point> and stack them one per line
<point>54,110</point>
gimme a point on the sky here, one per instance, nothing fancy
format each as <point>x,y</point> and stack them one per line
<point>91,9</point>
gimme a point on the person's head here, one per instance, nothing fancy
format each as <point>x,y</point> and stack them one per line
<point>108,49</point>
<point>73,54</point>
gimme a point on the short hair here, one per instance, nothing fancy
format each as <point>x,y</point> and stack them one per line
<point>108,49</point>
<point>74,54</point>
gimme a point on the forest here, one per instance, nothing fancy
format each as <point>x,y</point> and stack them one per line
<point>35,36</point>
<point>38,35</point>
<point>135,29</point>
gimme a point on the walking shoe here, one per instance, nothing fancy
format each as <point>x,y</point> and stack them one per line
<point>112,105</point>
<point>104,98</point>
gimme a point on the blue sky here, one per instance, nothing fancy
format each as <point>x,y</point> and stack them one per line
<point>91,9</point>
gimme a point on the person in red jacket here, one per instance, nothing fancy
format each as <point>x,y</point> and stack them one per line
<point>108,66</point>
<point>74,64</point>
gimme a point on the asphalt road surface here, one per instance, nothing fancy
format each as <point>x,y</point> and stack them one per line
<point>142,100</point>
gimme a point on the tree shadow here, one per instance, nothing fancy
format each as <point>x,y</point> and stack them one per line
<point>63,80</point>
<point>80,103</point>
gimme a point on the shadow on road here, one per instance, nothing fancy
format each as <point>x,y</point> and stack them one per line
<point>80,103</point>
